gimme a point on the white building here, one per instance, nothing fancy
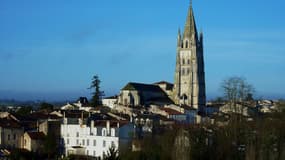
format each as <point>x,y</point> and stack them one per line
<point>110,101</point>
<point>93,139</point>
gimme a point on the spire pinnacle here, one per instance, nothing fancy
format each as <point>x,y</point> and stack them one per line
<point>190,26</point>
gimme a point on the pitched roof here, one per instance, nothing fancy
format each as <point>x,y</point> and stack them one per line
<point>36,135</point>
<point>142,87</point>
<point>163,82</point>
<point>9,123</point>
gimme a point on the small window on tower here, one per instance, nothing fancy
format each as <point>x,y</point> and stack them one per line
<point>186,44</point>
<point>183,72</point>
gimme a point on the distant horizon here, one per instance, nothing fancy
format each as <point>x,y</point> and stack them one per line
<point>73,96</point>
<point>50,50</point>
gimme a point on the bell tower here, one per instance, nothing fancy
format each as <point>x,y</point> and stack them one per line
<point>189,81</point>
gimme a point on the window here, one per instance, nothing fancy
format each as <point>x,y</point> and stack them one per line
<point>14,136</point>
<point>186,44</point>
<point>67,141</point>
<point>188,61</point>
<point>77,134</point>
<point>8,136</point>
<point>183,71</point>
<point>183,61</point>
<point>113,144</point>
<point>87,142</point>
<point>83,142</point>
<point>188,71</point>
<point>104,143</point>
<point>94,142</point>
<point>77,142</point>
<point>87,152</point>
<point>104,132</point>
<point>94,153</point>
<point>25,142</point>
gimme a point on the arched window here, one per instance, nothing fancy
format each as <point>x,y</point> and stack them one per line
<point>188,61</point>
<point>183,61</point>
<point>186,44</point>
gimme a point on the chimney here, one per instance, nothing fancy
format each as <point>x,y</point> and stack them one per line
<point>92,124</point>
<point>108,127</point>
<point>38,128</point>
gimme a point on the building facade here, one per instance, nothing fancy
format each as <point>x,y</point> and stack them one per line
<point>189,82</point>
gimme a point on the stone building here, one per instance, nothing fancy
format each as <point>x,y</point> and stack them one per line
<point>138,94</point>
<point>11,134</point>
<point>34,141</point>
<point>189,83</point>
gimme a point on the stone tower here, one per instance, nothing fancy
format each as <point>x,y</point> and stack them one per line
<point>189,82</point>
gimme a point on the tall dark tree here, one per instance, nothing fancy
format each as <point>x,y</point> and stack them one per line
<point>97,94</point>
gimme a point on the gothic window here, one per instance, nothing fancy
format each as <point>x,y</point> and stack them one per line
<point>183,71</point>
<point>188,71</point>
<point>181,45</point>
<point>188,61</point>
<point>94,142</point>
<point>186,44</point>
<point>183,61</point>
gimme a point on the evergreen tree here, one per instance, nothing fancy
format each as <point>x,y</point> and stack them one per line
<point>97,94</point>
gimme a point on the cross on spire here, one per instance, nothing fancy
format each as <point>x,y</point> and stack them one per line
<point>191,1</point>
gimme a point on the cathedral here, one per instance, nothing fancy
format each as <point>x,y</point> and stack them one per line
<point>189,81</point>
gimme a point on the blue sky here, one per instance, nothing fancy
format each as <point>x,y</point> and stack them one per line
<point>49,50</point>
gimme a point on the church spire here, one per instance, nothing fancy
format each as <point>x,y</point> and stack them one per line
<point>190,25</point>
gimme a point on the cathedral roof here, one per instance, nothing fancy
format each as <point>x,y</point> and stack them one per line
<point>142,87</point>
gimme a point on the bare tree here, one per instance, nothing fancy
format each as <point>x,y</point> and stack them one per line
<point>237,89</point>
